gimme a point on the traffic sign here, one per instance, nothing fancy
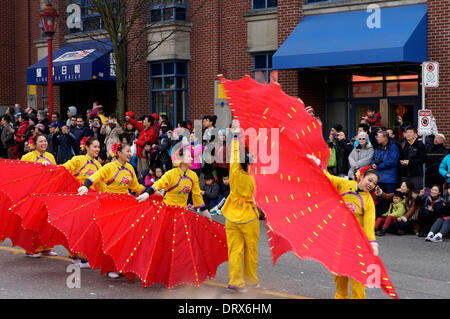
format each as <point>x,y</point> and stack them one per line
<point>430,74</point>
<point>424,122</point>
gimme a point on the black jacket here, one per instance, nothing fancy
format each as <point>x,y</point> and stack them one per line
<point>416,154</point>
<point>343,149</point>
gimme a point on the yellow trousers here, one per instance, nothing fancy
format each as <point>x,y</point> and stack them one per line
<point>358,290</point>
<point>242,240</point>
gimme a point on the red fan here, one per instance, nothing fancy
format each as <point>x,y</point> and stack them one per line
<point>19,180</point>
<point>159,243</point>
<point>72,220</point>
<point>305,213</point>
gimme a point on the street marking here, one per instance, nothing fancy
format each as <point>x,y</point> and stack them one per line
<point>17,251</point>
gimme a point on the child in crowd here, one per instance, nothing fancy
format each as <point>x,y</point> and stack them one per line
<point>396,210</point>
<point>431,208</point>
<point>150,178</point>
<point>224,191</point>
<point>148,151</point>
<point>158,173</point>
<point>441,226</point>
<point>373,117</point>
<point>210,190</point>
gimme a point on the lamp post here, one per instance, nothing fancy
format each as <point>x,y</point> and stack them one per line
<point>48,26</point>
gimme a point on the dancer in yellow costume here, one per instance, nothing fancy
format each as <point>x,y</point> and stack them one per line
<point>242,221</point>
<point>178,183</point>
<point>118,175</point>
<point>358,199</point>
<point>40,155</point>
<point>82,167</point>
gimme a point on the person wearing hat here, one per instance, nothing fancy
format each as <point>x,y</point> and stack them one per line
<point>311,112</point>
<point>434,157</point>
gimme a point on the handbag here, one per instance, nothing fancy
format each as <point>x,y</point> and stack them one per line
<point>332,159</point>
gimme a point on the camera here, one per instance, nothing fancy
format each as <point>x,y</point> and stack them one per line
<point>378,161</point>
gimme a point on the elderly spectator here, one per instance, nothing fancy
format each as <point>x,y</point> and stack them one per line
<point>361,155</point>
<point>412,158</point>
<point>435,155</point>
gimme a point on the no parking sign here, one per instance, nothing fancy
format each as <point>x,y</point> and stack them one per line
<point>424,122</point>
<point>430,74</point>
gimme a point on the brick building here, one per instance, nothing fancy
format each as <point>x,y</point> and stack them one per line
<point>235,38</point>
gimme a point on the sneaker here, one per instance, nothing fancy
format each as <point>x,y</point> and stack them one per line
<point>49,253</point>
<point>436,239</point>
<point>429,236</point>
<point>37,255</point>
<point>113,275</point>
<point>236,289</point>
<point>85,265</point>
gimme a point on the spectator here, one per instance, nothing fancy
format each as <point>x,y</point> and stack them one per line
<point>385,162</point>
<point>165,118</point>
<point>21,136</point>
<point>393,137</point>
<point>361,155</point>
<point>209,136</point>
<point>130,132</point>
<point>396,210</point>
<point>150,177</point>
<point>148,152</point>
<point>373,117</point>
<point>159,172</point>
<point>431,207</point>
<point>43,119</point>
<point>412,158</point>
<point>342,147</point>
<point>163,158</point>
<point>311,112</point>
<point>362,128</point>
<point>210,190</point>
<point>95,126</point>
<point>406,223</point>
<point>434,157</point>
<point>7,135</point>
<point>147,134</point>
<point>441,226</point>
<point>66,144</point>
<point>111,131</point>
<point>221,155</point>
<point>196,153</point>
<point>56,119</point>
<point>51,138</point>
<point>224,190</point>
<point>444,170</point>
<point>71,112</point>
<point>80,131</point>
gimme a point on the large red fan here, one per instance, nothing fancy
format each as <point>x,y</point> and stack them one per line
<point>72,219</point>
<point>159,243</point>
<point>19,180</point>
<point>305,213</point>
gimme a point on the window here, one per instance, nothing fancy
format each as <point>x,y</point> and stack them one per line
<point>264,4</point>
<point>168,10</point>
<point>320,1</point>
<point>91,20</point>
<point>169,89</point>
<point>262,65</point>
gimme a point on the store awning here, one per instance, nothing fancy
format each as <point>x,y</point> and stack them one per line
<point>81,61</point>
<point>347,39</point>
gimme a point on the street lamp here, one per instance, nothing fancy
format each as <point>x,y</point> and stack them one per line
<point>48,26</point>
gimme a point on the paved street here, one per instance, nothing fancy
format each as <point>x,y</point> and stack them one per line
<point>418,269</point>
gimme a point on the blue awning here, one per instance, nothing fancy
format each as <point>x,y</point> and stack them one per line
<point>345,39</point>
<point>82,61</point>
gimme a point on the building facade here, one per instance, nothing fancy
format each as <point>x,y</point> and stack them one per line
<point>309,46</point>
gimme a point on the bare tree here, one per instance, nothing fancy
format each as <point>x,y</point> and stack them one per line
<point>127,24</point>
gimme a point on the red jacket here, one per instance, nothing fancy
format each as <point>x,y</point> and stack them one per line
<point>144,136</point>
<point>374,120</point>
<point>21,132</point>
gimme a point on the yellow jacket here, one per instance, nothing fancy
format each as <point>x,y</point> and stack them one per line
<point>84,166</point>
<point>360,202</point>
<point>118,178</point>
<point>36,157</point>
<point>178,184</point>
<point>239,207</point>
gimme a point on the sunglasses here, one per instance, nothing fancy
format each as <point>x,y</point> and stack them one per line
<point>362,139</point>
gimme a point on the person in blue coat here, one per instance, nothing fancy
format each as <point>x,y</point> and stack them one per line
<point>444,169</point>
<point>385,162</point>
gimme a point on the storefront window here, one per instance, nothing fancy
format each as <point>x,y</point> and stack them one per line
<point>406,88</point>
<point>264,4</point>
<point>361,90</point>
<point>169,89</point>
<point>262,65</point>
